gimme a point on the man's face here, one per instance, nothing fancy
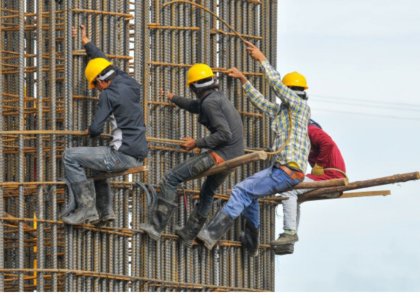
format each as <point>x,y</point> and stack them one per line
<point>101,85</point>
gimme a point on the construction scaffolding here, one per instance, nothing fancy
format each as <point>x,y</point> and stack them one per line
<point>45,104</point>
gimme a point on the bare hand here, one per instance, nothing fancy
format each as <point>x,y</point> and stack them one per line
<point>236,74</point>
<point>255,52</point>
<point>188,143</point>
<point>85,39</point>
<point>169,94</point>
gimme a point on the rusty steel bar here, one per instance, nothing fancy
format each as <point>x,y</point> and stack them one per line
<point>44,102</point>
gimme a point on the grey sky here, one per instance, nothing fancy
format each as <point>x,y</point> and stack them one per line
<point>355,54</point>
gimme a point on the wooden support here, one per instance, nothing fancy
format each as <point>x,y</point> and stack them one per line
<point>359,194</point>
<point>360,184</point>
<point>322,183</point>
<point>233,163</point>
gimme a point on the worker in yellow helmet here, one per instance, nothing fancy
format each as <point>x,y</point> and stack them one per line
<point>224,142</point>
<point>119,102</point>
<point>288,166</point>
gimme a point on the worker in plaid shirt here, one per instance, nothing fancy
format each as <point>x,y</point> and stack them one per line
<point>289,164</point>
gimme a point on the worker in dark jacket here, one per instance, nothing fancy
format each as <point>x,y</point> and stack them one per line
<point>225,142</point>
<point>327,163</point>
<point>119,102</point>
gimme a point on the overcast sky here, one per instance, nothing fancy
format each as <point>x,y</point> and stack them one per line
<point>362,63</point>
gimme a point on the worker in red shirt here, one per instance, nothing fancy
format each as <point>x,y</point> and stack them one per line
<point>327,163</point>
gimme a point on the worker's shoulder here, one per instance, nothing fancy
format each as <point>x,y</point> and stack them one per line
<point>214,98</point>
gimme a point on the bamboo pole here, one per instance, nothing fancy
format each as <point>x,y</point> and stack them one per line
<point>360,184</point>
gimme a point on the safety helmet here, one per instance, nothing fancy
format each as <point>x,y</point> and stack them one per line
<point>295,79</point>
<point>94,69</point>
<point>198,72</point>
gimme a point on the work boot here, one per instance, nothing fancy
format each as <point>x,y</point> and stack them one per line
<point>194,224</point>
<point>84,194</point>
<point>160,215</point>
<point>250,239</point>
<point>284,249</point>
<point>215,229</point>
<point>103,203</point>
<point>285,238</point>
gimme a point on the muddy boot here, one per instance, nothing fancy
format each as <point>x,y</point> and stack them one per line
<point>284,249</point>
<point>103,202</point>
<point>159,218</point>
<point>194,224</point>
<point>84,194</point>
<point>215,229</point>
<point>285,238</point>
<point>250,239</point>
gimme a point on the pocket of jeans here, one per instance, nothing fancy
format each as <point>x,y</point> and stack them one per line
<point>201,165</point>
<point>283,180</point>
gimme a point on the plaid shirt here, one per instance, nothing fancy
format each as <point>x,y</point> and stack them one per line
<point>297,150</point>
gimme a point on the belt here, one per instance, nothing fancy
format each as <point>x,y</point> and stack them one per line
<point>291,173</point>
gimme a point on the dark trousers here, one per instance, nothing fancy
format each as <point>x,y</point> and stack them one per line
<point>188,169</point>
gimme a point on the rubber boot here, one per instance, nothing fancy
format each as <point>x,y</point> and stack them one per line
<point>104,202</point>
<point>159,218</point>
<point>194,224</point>
<point>284,249</point>
<point>84,194</point>
<point>250,239</point>
<point>215,229</point>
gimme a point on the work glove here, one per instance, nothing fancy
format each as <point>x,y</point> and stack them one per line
<point>317,170</point>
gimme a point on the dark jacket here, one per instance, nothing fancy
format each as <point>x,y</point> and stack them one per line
<point>120,103</point>
<point>221,118</point>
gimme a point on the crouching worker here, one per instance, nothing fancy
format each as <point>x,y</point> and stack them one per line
<point>327,163</point>
<point>289,165</point>
<point>224,142</point>
<point>119,102</point>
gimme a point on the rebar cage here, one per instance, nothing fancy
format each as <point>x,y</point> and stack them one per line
<point>44,99</point>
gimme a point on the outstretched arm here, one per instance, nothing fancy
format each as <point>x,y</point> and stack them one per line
<point>91,50</point>
<point>286,95</point>
<point>257,99</point>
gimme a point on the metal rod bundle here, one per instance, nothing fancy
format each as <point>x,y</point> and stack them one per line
<point>44,99</point>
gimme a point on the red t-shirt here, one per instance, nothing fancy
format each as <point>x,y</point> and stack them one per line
<point>325,153</point>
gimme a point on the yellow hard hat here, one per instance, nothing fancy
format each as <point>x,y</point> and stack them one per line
<point>295,79</point>
<point>198,72</point>
<point>94,69</point>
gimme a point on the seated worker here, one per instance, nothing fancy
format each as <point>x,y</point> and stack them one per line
<point>289,165</point>
<point>224,142</point>
<point>327,163</point>
<point>119,102</point>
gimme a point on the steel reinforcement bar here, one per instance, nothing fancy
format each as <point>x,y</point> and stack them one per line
<point>43,90</point>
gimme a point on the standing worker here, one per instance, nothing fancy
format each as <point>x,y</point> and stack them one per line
<point>327,163</point>
<point>289,165</point>
<point>119,101</point>
<point>225,142</point>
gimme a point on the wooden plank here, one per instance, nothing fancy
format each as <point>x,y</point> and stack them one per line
<point>358,194</point>
<point>322,183</point>
<point>233,163</point>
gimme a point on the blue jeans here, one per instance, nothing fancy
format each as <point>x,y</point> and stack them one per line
<point>188,169</point>
<point>245,194</point>
<point>99,159</point>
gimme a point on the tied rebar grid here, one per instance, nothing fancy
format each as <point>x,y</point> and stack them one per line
<point>42,87</point>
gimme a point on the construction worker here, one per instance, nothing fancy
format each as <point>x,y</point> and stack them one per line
<point>119,102</point>
<point>289,165</point>
<point>327,163</point>
<point>225,142</point>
